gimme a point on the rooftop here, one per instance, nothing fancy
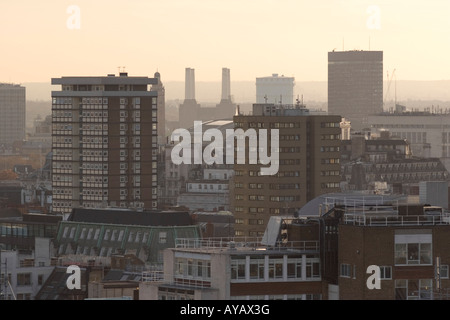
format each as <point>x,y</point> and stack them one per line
<point>244,246</point>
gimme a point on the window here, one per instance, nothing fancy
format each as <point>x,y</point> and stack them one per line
<point>412,253</point>
<point>385,272</point>
<point>24,279</point>
<point>294,268</point>
<point>275,268</point>
<point>413,289</point>
<point>313,267</point>
<point>163,237</point>
<point>444,271</point>
<point>40,279</point>
<point>413,248</point>
<point>345,270</point>
<point>257,269</point>
<point>238,269</point>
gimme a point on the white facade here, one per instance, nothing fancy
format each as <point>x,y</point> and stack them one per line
<point>212,269</point>
<point>427,133</point>
<point>434,193</point>
<point>208,194</point>
<point>275,89</point>
<point>26,273</point>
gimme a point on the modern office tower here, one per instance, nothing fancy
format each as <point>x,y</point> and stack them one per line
<point>12,113</point>
<point>104,142</point>
<point>159,88</point>
<point>355,85</point>
<point>309,155</point>
<point>189,109</point>
<point>275,89</point>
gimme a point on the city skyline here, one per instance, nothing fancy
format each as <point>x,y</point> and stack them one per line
<point>251,38</point>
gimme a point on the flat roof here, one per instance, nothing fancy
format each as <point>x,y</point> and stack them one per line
<point>105,80</point>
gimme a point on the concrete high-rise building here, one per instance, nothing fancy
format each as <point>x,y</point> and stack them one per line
<point>355,85</point>
<point>309,156</point>
<point>275,89</point>
<point>12,113</point>
<point>159,88</point>
<point>104,142</point>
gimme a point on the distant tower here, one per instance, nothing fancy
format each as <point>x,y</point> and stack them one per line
<point>161,115</point>
<point>355,85</point>
<point>226,108</point>
<point>188,111</point>
<point>226,92</point>
<point>190,84</point>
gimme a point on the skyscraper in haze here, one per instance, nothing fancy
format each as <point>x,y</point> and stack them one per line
<point>355,85</point>
<point>12,113</point>
<point>104,143</point>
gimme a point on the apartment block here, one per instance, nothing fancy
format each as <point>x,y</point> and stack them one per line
<point>308,165</point>
<point>104,142</point>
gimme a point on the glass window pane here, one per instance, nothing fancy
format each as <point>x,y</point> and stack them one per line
<point>400,253</point>
<point>413,253</point>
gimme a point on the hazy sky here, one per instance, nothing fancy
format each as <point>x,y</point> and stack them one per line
<point>41,39</point>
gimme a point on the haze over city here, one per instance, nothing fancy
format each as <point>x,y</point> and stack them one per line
<point>196,150</point>
<point>45,39</point>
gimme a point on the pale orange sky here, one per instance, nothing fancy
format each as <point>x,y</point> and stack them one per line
<point>251,37</point>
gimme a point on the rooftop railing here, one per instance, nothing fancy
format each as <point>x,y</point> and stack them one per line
<point>396,219</point>
<point>207,244</point>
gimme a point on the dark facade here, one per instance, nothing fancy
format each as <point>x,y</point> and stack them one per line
<point>355,85</point>
<point>309,156</point>
<point>408,242</point>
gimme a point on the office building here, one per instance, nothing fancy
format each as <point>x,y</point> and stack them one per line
<point>275,89</point>
<point>104,142</point>
<point>309,165</point>
<point>12,113</point>
<point>427,132</point>
<point>355,85</point>
<point>407,243</point>
<point>237,270</point>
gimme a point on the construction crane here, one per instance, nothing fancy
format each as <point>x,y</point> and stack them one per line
<point>388,86</point>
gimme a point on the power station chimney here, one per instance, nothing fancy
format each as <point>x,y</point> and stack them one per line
<point>190,84</point>
<point>226,93</point>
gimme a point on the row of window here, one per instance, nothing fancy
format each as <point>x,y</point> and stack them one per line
<point>271,268</point>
